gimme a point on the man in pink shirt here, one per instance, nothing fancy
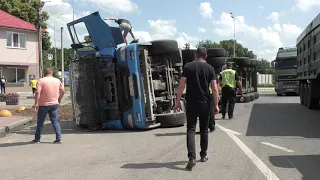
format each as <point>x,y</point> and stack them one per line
<point>48,96</point>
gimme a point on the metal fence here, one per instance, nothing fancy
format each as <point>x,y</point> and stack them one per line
<point>265,78</point>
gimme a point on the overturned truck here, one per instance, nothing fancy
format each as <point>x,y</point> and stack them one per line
<point>122,87</point>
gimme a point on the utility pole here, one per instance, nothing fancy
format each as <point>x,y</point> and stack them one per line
<point>62,57</point>
<point>55,44</point>
<point>39,20</point>
<point>234,35</point>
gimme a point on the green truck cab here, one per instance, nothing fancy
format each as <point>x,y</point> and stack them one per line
<point>285,74</point>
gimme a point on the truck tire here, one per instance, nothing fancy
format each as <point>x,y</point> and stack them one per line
<point>187,55</point>
<point>175,57</point>
<point>160,47</point>
<point>246,98</point>
<point>217,61</point>
<point>216,52</point>
<point>312,103</point>
<point>243,61</point>
<point>252,97</point>
<point>256,95</point>
<point>253,62</point>
<point>171,119</point>
<point>305,94</point>
<point>301,93</point>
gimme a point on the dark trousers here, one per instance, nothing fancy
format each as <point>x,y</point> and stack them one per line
<point>3,88</point>
<point>212,121</point>
<point>228,98</point>
<point>193,111</point>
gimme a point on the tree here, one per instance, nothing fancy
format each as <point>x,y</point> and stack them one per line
<point>28,11</point>
<point>265,67</point>
<point>67,52</point>
<point>228,45</point>
<point>187,46</point>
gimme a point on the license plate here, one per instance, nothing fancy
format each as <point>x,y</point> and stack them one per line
<point>290,89</point>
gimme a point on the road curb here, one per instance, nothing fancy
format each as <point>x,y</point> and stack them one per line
<point>18,125</point>
<point>2,132</point>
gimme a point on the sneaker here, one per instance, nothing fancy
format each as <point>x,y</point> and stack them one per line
<point>35,141</point>
<point>190,164</point>
<point>230,117</point>
<point>223,116</point>
<point>57,141</point>
<point>212,128</point>
<point>204,159</point>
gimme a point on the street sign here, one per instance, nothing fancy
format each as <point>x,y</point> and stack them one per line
<point>50,57</point>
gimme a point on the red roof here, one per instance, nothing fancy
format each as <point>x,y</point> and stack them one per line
<point>10,21</point>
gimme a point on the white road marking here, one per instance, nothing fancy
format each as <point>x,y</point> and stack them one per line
<point>229,130</point>
<point>277,147</point>
<point>260,165</point>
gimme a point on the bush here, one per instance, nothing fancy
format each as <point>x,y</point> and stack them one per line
<point>266,85</point>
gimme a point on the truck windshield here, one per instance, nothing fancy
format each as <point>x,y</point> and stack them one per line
<point>290,63</point>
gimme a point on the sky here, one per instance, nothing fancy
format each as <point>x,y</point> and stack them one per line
<point>261,26</point>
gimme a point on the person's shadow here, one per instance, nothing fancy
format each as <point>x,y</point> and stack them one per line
<point>170,165</point>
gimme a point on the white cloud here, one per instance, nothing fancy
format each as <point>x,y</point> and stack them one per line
<point>163,29</point>
<point>261,7</point>
<point>114,6</point>
<point>143,36</point>
<point>266,41</point>
<point>202,30</point>
<point>307,5</point>
<point>274,17</point>
<point>183,38</point>
<point>206,10</point>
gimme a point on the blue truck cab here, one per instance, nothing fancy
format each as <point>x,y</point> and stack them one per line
<point>125,87</point>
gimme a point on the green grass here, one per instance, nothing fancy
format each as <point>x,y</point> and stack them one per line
<point>67,88</point>
<point>266,85</point>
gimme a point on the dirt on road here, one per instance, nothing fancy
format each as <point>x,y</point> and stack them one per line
<point>65,113</point>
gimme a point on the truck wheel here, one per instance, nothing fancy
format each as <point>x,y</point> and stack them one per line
<point>171,119</point>
<point>253,62</point>
<point>256,95</point>
<point>245,98</point>
<point>216,52</point>
<point>252,97</point>
<point>160,47</point>
<point>187,55</point>
<point>305,94</point>
<point>301,93</point>
<point>244,61</point>
<point>279,94</point>
<point>217,61</point>
<point>312,103</point>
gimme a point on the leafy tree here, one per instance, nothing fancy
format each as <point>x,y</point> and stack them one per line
<point>67,52</point>
<point>187,46</point>
<point>228,45</point>
<point>265,67</point>
<point>28,11</point>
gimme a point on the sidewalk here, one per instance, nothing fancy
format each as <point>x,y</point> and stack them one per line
<point>9,124</point>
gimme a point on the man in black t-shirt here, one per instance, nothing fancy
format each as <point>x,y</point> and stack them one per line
<point>125,27</point>
<point>197,75</point>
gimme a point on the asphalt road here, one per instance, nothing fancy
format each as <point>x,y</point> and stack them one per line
<point>270,138</point>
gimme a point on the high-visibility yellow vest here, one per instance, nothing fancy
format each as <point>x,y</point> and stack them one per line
<point>228,77</point>
<point>34,83</point>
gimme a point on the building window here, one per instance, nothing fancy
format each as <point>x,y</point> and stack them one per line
<point>15,75</point>
<point>16,40</point>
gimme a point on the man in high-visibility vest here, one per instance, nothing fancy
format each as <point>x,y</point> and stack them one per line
<point>229,80</point>
<point>34,86</point>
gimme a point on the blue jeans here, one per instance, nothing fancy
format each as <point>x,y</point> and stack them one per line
<point>53,114</point>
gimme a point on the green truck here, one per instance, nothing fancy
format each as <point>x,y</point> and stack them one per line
<point>285,74</point>
<point>308,61</point>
